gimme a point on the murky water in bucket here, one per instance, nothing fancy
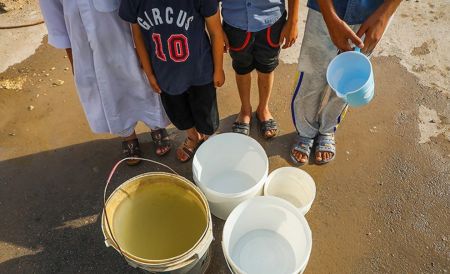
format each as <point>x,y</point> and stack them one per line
<point>159,221</point>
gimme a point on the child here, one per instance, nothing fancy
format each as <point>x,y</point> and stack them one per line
<point>112,88</point>
<point>176,55</point>
<point>336,29</point>
<point>255,30</point>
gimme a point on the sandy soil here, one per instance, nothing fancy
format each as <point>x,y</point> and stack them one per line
<point>381,207</point>
<point>19,12</point>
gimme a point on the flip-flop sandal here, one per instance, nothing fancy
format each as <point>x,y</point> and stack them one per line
<point>189,151</point>
<point>241,128</point>
<point>302,145</point>
<point>325,143</point>
<point>131,148</point>
<point>266,126</point>
<point>161,139</point>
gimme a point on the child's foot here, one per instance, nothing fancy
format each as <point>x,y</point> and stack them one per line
<point>301,150</point>
<point>267,125</point>
<point>242,123</point>
<point>162,141</point>
<point>131,148</point>
<point>186,151</point>
<point>325,149</point>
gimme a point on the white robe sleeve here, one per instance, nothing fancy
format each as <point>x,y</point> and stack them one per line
<point>53,13</point>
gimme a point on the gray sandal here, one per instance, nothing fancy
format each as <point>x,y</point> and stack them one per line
<point>266,126</point>
<point>326,143</point>
<point>242,128</point>
<point>302,145</point>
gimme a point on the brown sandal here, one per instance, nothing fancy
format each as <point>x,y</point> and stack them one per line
<point>189,150</point>
<point>162,141</point>
<point>131,149</point>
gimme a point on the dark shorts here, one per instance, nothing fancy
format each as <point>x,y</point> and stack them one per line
<point>255,50</point>
<point>197,107</point>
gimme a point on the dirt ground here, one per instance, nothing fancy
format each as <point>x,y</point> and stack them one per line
<point>382,206</point>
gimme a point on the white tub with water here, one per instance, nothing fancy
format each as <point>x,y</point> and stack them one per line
<point>266,235</point>
<point>230,168</point>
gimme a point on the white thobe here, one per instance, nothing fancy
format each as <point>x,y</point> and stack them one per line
<point>113,90</point>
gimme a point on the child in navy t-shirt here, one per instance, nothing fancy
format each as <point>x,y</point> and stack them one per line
<point>181,61</point>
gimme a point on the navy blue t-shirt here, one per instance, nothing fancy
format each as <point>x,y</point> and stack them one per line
<point>176,40</point>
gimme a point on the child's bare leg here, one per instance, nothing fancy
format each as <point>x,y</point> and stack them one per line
<point>244,82</point>
<point>265,84</point>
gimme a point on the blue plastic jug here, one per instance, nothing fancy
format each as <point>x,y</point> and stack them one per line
<point>350,75</point>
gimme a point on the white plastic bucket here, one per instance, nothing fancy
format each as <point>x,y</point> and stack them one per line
<point>230,168</point>
<point>195,260</point>
<point>266,235</point>
<point>293,185</point>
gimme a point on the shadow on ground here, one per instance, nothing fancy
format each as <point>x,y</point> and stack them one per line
<point>52,200</point>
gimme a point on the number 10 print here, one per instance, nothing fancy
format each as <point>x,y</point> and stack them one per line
<point>177,45</point>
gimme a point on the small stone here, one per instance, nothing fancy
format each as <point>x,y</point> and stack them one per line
<point>348,152</point>
<point>12,134</point>
<point>379,231</point>
<point>58,83</point>
<point>47,74</point>
<point>65,56</point>
<point>30,108</point>
<point>444,238</point>
<point>368,233</point>
<point>40,80</point>
<point>37,95</point>
<point>53,68</point>
<point>66,68</point>
<point>432,121</point>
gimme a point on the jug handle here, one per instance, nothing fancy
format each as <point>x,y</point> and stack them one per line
<point>111,174</point>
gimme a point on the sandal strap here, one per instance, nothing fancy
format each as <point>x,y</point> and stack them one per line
<point>131,148</point>
<point>160,136</point>
<point>242,128</point>
<point>270,124</point>
<point>326,143</point>
<point>303,145</point>
<point>188,150</point>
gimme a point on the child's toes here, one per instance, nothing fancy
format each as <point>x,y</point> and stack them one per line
<point>304,159</point>
<point>319,156</point>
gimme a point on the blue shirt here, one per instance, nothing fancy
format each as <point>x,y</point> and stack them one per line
<point>353,12</point>
<point>175,36</point>
<point>252,15</point>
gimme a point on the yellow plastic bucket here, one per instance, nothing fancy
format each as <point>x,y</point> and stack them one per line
<point>148,220</point>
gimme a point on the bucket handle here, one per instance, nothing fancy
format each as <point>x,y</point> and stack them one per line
<point>111,174</point>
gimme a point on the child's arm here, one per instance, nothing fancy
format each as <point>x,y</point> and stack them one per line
<point>144,57</point>
<point>214,27</point>
<point>339,31</point>
<point>290,30</point>
<point>375,26</point>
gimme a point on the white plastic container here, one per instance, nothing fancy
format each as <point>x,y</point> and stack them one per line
<point>230,168</point>
<point>266,235</point>
<point>293,185</point>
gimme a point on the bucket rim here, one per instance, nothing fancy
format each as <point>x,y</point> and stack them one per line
<point>107,233</point>
<point>236,195</point>
<point>233,217</point>
<point>362,86</point>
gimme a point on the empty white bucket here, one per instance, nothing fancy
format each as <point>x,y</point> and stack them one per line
<point>230,168</point>
<point>266,235</point>
<point>294,185</point>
